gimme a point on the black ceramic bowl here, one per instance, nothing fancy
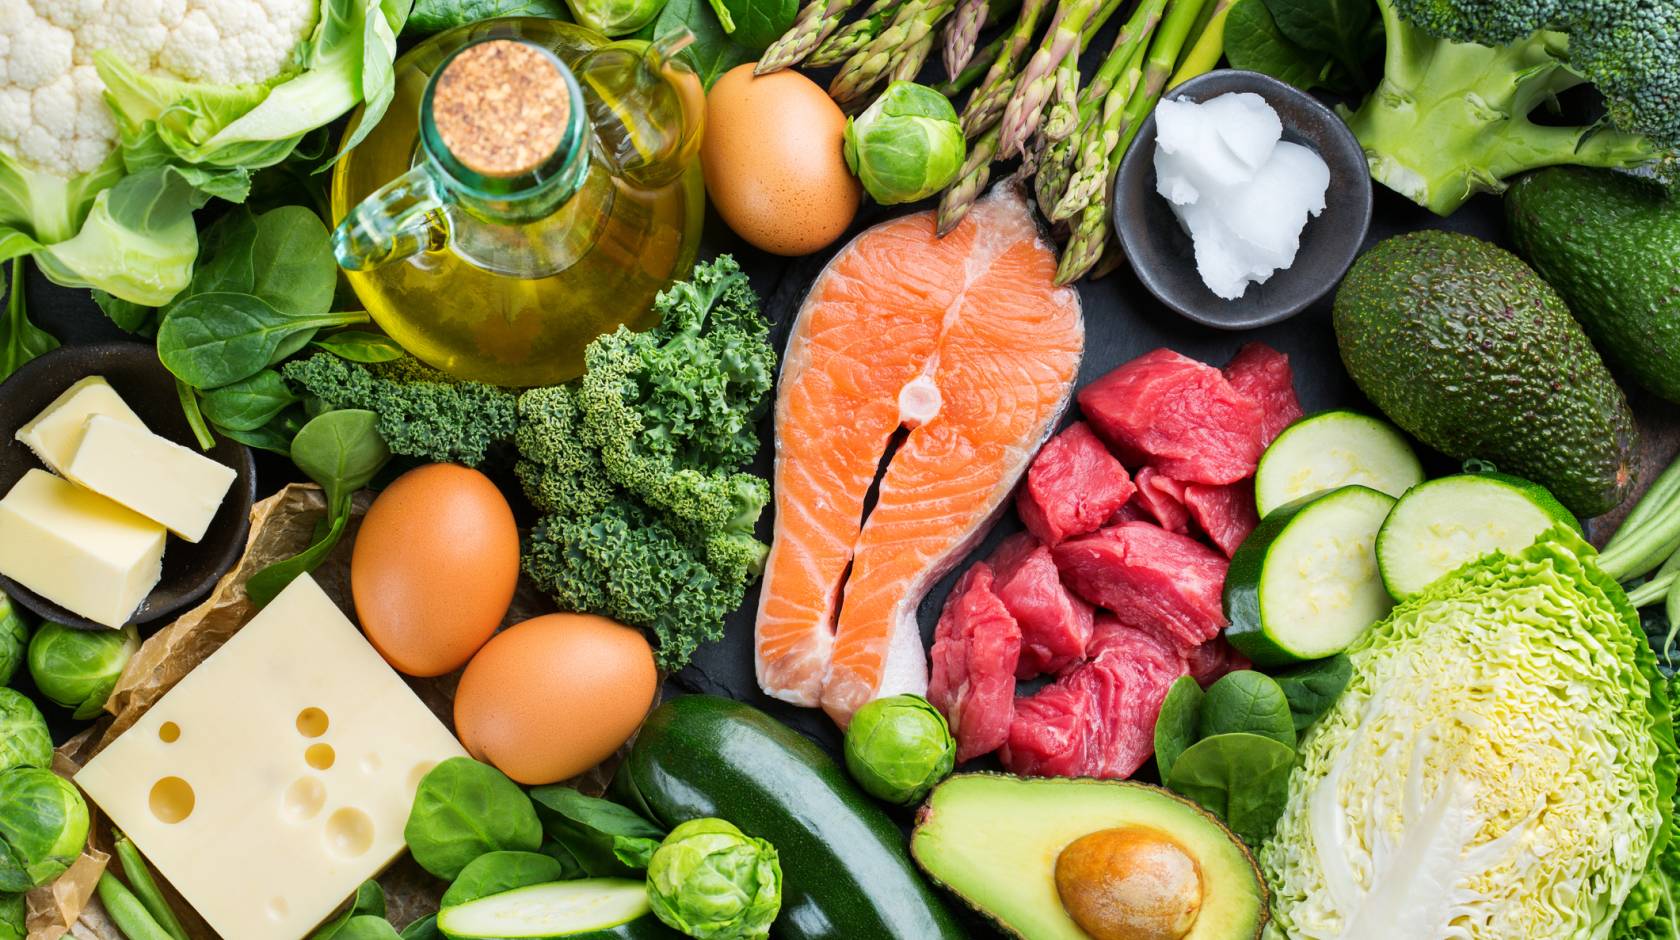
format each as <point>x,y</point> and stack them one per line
<point>190,569</point>
<point>1161,252</point>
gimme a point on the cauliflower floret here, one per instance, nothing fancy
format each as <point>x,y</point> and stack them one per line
<point>52,111</point>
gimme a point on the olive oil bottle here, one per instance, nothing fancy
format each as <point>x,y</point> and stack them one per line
<point>532,186</point>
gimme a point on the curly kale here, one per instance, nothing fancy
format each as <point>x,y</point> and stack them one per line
<point>422,412</point>
<point>673,410</point>
<point>1451,117</point>
<point>559,472</point>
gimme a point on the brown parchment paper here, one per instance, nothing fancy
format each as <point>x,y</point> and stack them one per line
<point>281,526</point>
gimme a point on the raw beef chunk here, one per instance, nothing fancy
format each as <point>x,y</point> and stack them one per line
<point>1098,720</point>
<point>1181,415</point>
<point>1226,513</point>
<point>1149,578</point>
<point>1162,499</point>
<point>1055,625</point>
<point>975,650</point>
<point>1074,485</point>
<point>1212,660</point>
<point>1263,374</point>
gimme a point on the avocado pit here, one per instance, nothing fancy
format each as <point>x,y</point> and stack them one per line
<point>1130,883</point>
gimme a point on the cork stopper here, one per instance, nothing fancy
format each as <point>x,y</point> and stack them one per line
<point>501,108</point>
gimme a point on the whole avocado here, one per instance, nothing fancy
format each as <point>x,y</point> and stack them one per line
<point>1610,244</point>
<point>1467,349</point>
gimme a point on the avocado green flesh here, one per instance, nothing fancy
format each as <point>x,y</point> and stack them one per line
<point>993,841</point>
<point>1468,350</point>
<point>1610,244</point>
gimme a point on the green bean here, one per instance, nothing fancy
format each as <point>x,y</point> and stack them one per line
<point>126,911</point>
<point>146,888</point>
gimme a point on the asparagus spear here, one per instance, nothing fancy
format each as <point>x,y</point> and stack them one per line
<point>1037,80</point>
<point>845,43</point>
<point>962,34</point>
<point>911,60</point>
<point>1209,45</point>
<point>1063,114</point>
<point>870,66</point>
<point>816,21</point>
<point>977,67</point>
<point>970,183</point>
<point>988,100</point>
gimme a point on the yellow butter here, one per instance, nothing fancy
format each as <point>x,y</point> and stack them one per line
<point>54,433</point>
<point>177,488</point>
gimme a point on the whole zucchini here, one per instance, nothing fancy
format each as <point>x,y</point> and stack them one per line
<point>845,872</point>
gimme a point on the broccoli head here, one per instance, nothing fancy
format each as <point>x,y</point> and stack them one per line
<point>1451,117</point>
<point>422,412</point>
<point>673,411</point>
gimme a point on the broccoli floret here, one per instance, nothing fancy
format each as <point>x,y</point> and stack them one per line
<point>1451,116</point>
<point>628,563</point>
<point>559,472</point>
<point>673,410</point>
<point>422,412</point>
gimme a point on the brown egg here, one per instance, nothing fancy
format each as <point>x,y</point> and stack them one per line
<point>547,699</point>
<point>1130,883</point>
<point>773,162</point>
<point>434,568</point>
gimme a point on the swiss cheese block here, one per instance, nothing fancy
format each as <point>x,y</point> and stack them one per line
<point>277,776</point>
<point>177,488</point>
<point>54,433</point>
<point>78,549</point>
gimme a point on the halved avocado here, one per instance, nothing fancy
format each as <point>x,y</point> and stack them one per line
<point>993,840</point>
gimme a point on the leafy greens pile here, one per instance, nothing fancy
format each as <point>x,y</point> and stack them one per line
<point>1503,756</point>
<point>647,517</point>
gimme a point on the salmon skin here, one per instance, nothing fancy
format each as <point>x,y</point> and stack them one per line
<point>966,342</point>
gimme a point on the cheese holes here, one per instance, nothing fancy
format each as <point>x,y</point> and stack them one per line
<point>277,909</point>
<point>169,732</point>
<point>171,800</point>
<point>320,756</point>
<point>349,832</point>
<point>303,799</point>
<point>418,772</point>
<point>312,722</point>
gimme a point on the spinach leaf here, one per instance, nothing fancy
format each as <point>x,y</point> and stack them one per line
<point>20,340</point>
<point>342,451</point>
<point>275,436</point>
<point>464,809</point>
<point>713,52</point>
<point>129,316</point>
<point>294,269</point>
<point>217,338</point>
<point>1247,701</point>
<point>369,900</point>
<point>195,417</point>
<point>1254,42</point>
<point>1312,688</point>
<point>367,927</point>
<point>432,16</point>
<point>755,24</point>
<point>1241,778</point>
<point>226,256</point>
<point>425,928</point>
<point>1341,29</point>
<point>496,872</point>
<point>249,403</point>
<point>360,346</point>
<point>603,837</point>
<point>1175,726</point>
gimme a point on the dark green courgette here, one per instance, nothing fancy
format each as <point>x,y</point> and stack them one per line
<point>846,874</point>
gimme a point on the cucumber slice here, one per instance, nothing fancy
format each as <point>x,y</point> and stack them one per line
<point>1334,448</point>
<point>1305,584</point>
<point>589,908</point>
<point>1439,526</point>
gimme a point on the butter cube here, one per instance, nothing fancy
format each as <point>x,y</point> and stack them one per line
<point>78,549</point>
<point>55,432</point>
<point>277,775</point>
<point>177,488</point>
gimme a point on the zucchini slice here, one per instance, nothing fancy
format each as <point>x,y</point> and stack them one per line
<point>1438,527</point>
<point>1305,585</point>
<point>576,910</point>
<point>1334,448</point>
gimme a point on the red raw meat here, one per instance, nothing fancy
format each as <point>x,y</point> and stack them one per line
<point>1182,415</point>
<point>1162,499</point>
<point>1133,511</point>
<point>1149,578</point>
<point>975,649</point>
<point>1098,720</point>
<point>1263,374</point>
<point>1226,513</point>
<point>1055,625</point>
<point>1074,485</point>
<point>1212,660</point>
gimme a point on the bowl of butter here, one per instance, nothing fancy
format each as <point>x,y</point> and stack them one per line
<point>110,513</point>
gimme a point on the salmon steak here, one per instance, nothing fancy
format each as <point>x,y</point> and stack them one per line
<point>965,344</point>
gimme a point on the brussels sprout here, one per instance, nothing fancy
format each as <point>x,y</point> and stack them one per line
<point>43,826</point>
<point>713,882</point>
<point>78,668</point>
<point>14,637</point>
<point>615,17</point>
<point>24,738</point>
<point>907,145</point>
<point>12,914</point>
<point>897,748</point>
